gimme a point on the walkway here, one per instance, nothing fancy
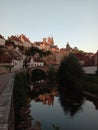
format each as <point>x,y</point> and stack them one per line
<point>6,91</point>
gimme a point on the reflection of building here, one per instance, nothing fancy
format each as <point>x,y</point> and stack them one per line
<point>96,104</point>
<point>47,98</point>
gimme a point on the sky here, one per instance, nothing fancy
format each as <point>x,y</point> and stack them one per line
<point>73,21</point>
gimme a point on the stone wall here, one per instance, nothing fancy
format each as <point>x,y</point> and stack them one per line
<point>90,69</point>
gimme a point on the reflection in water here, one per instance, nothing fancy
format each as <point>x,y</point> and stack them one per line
<point>47,104</point>
<point>91,98</point>
<point>46,96</point>
<point>71,101</point>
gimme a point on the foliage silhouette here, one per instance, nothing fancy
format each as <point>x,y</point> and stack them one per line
<point>70,72</point>
<point>71,102</point>
<point>52,75</point>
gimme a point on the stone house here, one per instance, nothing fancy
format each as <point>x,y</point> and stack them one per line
<point>26,42</point>
<point>16,40</point>
<point>35,62</point>
<point>92,65</point>
<point>2,40</point>
<point>10,61</point>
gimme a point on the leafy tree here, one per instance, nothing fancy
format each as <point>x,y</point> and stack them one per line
<point>70,72</point>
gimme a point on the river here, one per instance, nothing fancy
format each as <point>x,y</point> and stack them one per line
<point>66,111</point>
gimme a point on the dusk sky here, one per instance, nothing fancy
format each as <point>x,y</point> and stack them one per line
<point>73,21</point>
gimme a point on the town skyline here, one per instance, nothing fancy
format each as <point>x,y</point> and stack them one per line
<point>72,21</point>
<point>17,37</point>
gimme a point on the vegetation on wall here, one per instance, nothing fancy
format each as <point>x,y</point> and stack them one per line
<point>33,50</point>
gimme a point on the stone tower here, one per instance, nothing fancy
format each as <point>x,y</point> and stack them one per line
<point>50,40</point>
<point>44,41</point>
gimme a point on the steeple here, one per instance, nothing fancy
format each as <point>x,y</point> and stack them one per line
<point>68,46</point>
<point>50,40</point>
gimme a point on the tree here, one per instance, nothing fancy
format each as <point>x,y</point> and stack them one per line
<point>70,72</point>
<point>52,74</point>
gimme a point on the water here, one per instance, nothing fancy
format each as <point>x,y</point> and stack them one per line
<point>74,114</point>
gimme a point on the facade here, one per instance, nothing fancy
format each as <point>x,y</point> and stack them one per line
<point>26,42</point>
<point>35,62</point>
<point>90,69</point>
<point>94,60</point>
<point>17,64</point>
<point>16,40</point>
<point>11,61</point>
<point>2,41</point>
<point>10,45</point>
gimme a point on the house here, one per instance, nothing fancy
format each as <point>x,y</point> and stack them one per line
<point>2,40</point>
<point>94,60</point>
<point>82,57</point>
<point>17,64</point>
<point>9,44</point>
<point>92,65</point>
<point>16,40</point>
<point>35,62</point>
<point>26,42</point>
<point>11,61</point>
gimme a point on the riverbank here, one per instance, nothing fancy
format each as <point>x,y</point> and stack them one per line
<point>23,118</point>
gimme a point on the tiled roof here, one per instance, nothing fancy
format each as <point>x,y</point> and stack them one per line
<point>24,38</point>
<point>14,38</point>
